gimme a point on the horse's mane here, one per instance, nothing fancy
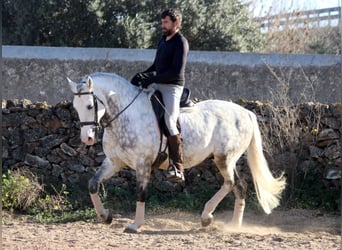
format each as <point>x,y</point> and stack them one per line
<point>108,80</point>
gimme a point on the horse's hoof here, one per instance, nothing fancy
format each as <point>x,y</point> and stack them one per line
<point>107,219</point>
<point>207,221</point>
<point>131,229</point>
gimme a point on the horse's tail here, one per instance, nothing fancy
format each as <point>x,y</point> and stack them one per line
<point>268,188</point>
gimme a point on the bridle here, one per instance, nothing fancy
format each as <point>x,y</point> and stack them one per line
<point>96,100</point>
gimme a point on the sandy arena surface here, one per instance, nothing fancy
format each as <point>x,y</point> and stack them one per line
<point>293,229</point>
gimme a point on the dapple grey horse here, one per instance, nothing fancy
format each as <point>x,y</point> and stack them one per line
<point>220,129</point>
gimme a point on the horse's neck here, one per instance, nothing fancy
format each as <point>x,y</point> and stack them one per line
<point>116,95</point>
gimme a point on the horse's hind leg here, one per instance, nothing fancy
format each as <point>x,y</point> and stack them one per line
<point>106,170</point>
<point>239,189</point>
<point>207,214</point>
<point>228,176</point>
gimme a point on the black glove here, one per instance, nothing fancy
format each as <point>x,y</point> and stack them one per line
<point>145,82</point>
<point>137,79</point>
<point>143,79</point>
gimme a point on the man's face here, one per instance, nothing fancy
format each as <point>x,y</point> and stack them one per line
<point>168,27</point>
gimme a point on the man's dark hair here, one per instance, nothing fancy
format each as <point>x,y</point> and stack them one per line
<point>174,14</point>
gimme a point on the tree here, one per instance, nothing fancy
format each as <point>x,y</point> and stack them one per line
<point>123,24</point>
<point>50,23</point>
<point>220,25</point>
<point>208,24</point>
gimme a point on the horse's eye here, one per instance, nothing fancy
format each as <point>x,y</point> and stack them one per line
<point>89,107</point>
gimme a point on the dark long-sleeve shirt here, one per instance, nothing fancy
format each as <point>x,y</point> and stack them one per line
<point>169,63</point>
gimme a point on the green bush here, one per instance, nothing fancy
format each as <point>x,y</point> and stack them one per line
<point>20,190</point>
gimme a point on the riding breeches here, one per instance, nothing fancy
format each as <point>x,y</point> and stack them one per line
<point>171,96</point>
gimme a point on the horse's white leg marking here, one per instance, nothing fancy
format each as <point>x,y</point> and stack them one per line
<point>210,206</point>
<point>140,214</point>
<point>100,210</point>
<point>226,166</point>
<point>139,218</point>
<point>106,170</point>
<point>239,208</point>
<point>240,190</point>
<point>143,175</point>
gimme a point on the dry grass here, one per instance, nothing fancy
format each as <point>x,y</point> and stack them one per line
<point>284,126</point>
<point>304,41</point>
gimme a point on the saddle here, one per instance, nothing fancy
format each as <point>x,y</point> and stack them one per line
<point>158,108</point>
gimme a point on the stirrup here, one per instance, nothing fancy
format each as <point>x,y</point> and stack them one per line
<point>174,174</point>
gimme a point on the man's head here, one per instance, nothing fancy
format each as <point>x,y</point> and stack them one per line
<point>174,15</point>
<point>171,21</point>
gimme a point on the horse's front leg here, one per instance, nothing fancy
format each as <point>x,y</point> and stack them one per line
<point>143,173</point>
<point>106,170</point>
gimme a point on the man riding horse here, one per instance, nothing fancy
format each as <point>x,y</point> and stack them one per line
<point>167,74</point>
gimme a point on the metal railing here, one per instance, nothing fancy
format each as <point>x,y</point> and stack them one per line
<point>309,18</point>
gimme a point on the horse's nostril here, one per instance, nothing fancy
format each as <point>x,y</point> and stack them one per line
<point>89,138</point>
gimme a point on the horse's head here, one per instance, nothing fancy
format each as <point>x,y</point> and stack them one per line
<point>89,108</point>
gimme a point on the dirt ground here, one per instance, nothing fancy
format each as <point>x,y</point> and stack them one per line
<point>293,229</point>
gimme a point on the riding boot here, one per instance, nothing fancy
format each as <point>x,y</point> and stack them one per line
<point>176,168</point>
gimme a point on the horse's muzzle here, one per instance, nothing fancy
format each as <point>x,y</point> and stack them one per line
<point>88,137</point>
<point>90,141</point>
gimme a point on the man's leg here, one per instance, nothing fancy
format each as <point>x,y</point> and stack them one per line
<point>176,168</point>
<point>171,96</point>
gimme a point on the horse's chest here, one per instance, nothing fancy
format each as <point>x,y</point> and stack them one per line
<point>128,147</point>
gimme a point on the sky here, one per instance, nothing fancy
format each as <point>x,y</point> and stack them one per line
<point>271,7</point>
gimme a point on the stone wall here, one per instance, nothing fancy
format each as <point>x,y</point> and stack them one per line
<point>46,139</point>
<point>39,73</point>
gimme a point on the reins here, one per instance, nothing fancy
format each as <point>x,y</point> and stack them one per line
<point>123,110</point>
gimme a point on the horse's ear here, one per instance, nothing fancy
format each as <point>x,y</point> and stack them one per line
<point>72,85</point>
<point>90,83</point>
